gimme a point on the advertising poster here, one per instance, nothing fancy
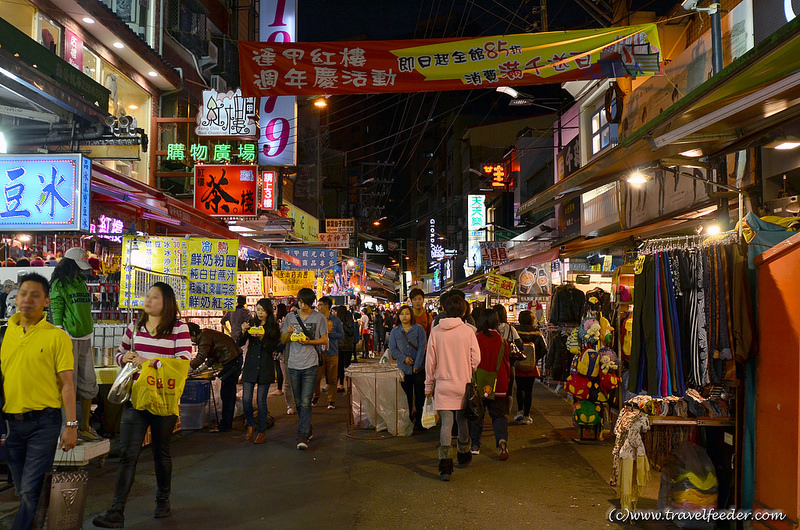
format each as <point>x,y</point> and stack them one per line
<point>250,283</point>
<point>534,282</point>
<point>212,273</point>
<point>494,252</point>
<point>287,283</point>
<point>226,191</point>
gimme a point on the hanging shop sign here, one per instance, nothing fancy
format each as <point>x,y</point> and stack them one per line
<point>311,258</point>
<point>314,68</point>
<point>347,226</point>
<point>226,191</point>
<point>568,214</point>
<point>29,51</point>
<point>374,247</point>
<point>501,285</point>
<point>476,212</point>
<point>494,252</point>
<point>73,49</point>
<point>277,142</point>
<point>212,273</point>
<point>45,193</point>
<point>269,189</point>
<point>497,175</point>
<point>250,283</point>
<point>569,158</point>
<point>435,250</point>
<point>214,153</point>
<point>306,226</point>
<point>287,283</point>
<point>335,240</point>
<point>226,114</point>
<point>422,258</point>
<point>146,260</point>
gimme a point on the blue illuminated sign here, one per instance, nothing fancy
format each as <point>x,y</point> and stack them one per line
<point>311,258</point>
<point>45,193</point>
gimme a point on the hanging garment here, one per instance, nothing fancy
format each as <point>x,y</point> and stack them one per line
<point>643,340</point>
<point>629,456</point>
<point>603,304</point>
<point>567,305</point>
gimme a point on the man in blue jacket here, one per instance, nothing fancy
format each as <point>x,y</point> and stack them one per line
<point>331,355</point>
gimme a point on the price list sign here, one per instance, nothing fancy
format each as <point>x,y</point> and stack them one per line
<point>212,274</point>
<point>287,283</point>
<point>250,283</point>
<point>146,260</point>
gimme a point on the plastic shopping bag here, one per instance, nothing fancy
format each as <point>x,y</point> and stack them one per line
<point>428,414</point>
<point>160,386</point>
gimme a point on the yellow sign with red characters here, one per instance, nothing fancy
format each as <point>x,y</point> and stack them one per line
<point>287,283</point>
<point>501,285</point>
<point>366,67</point>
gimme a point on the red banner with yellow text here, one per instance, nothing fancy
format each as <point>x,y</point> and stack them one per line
<point>363,67</point>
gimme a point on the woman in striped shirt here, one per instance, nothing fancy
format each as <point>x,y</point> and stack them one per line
<point>157,334</point>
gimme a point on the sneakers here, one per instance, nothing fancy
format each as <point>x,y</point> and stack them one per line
<point>519,416</point>
<point>110,518</point>
<point>302,444</point>
<point>289,411</point>
<point>331,405</point>
<point>503,450</point>
<point>476,451</point>
<point>314,401</point>
<point>527,420</point>
<point>162,509</point>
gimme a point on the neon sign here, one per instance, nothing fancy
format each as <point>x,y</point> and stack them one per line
<point>106,226</point>
<point>268,185</point>
<point>45,193</point>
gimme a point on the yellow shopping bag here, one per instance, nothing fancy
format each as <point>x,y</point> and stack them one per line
<point>159,388</point>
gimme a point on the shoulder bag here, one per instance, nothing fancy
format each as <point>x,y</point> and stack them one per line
<point>486,381</point>
<point>320,360</point>
<point>121,388</point>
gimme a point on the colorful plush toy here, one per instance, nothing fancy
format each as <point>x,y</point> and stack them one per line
<point>587,413</point>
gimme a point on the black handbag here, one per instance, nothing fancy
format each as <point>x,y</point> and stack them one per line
<point>474,407</point>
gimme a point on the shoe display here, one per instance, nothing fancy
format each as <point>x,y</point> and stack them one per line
<point>110,519</point>
<point>250,431</point>
<point>503,450</point>
<point>331,405</point>
<point>162,509</point>
<point>260,438</point>
<point>289,411</point>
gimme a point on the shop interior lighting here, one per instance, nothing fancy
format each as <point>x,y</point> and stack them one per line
<point>24,238</point>
<point>693,153</point>
<point>152,74</point>
<point>784,143</point>
<point>713,230</point>
<point>637,178</point>
<point>320,103</point>
<point>237,228</point>
<point>508,91</point>
<point>118,45</point>
<point>88,20</point>
<point>133,107</point>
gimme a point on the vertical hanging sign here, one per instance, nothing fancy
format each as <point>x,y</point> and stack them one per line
<point>278,115</point>
<point>269,180</point>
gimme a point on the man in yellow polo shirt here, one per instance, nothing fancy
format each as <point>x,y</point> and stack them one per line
<point>36,362</point>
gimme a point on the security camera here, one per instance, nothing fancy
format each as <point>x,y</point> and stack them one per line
<point>689,5</point>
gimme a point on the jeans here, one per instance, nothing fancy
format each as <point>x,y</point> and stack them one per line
<point>497,411</point>
<point>133,427</point>
<point>414,387</point>
<point>288,395</point>
<point>247,403</point>
<point>345,358</point>
<point>525,394</point>
<point>330,370</point>
<point>303,382</point>
<point>445,434</point>
<point>229,375</point>
<point>31,448</point>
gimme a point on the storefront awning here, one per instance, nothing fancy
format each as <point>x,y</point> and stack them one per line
<point>529,261</point>
<point>732,110</point>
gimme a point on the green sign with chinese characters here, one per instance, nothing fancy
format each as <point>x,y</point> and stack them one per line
<point>219,153</point>
<point>31,52</point>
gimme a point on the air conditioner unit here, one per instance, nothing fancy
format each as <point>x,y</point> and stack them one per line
<point>210,58</point>
<point>219,84</point>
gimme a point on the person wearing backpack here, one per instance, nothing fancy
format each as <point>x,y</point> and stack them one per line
<point>526,371</point>
<point>494,359</point>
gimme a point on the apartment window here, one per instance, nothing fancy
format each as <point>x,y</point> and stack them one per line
<point>137,14</point>
<point>49,34</point>
<point>604,134</point>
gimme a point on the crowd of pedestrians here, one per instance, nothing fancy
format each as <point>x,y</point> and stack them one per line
<point>294,347</point>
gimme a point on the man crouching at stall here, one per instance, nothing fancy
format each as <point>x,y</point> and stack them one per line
<point>36,384</point>
<point>213,348</point>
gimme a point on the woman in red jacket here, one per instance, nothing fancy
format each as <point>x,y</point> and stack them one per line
<point>490,342</point>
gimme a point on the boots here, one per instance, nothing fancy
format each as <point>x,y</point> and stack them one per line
<point>111,518</point>
<point>250,431</point>
<point>464,454</point>
<point>445,463</point>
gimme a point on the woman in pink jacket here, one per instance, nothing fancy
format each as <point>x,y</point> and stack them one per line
<point>452,356</point>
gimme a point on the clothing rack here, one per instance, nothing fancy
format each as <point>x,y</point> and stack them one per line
<point>692,241</point>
